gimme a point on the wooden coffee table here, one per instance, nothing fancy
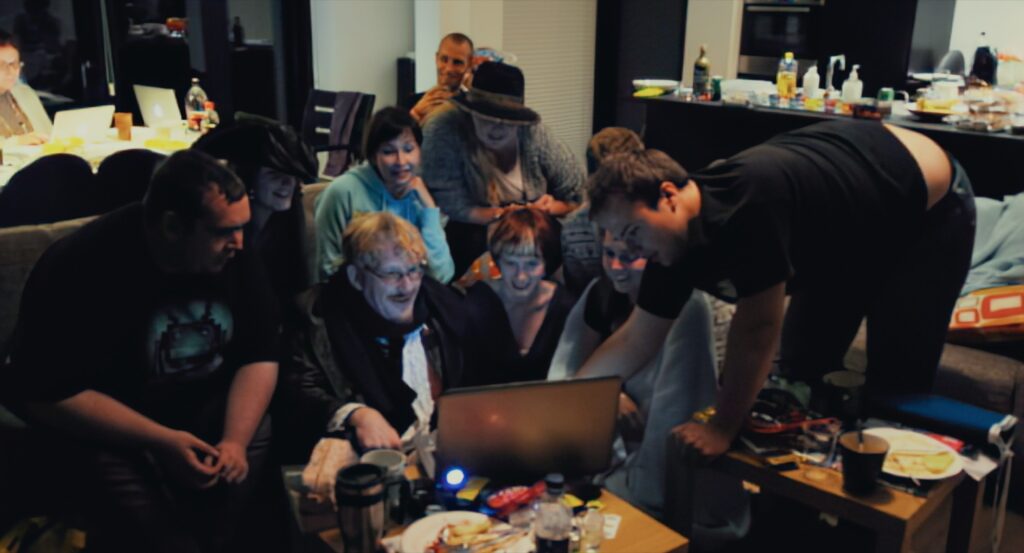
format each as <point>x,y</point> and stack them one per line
<point>637,532</point>
<point>892,514</point>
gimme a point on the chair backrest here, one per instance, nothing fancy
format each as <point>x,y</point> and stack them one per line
<point>52,188</point>
<point>334,122</point>
<point>124,177</point>
<point>953,62</point>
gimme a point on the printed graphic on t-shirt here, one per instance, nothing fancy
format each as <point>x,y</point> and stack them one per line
<point>187,340</point>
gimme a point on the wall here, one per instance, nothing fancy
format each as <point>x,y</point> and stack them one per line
<point>554,43</point>
<point>717,24</point>
<point>356,43</point>
<point>1001,19</point>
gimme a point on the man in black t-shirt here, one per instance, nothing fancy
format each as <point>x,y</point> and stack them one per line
<point>454,60</point>
<point>146,344</point>
<point>851,218</point>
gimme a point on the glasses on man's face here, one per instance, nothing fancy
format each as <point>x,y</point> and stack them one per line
<point>393,277</point>
<point>11,66</point>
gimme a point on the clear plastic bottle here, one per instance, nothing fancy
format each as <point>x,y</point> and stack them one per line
<point>195,101</point>
<point>593,531</point>
<point>554,518</point>
<point>785,79</point>
<point>212,118</point>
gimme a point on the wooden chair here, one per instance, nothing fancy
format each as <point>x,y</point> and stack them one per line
<point>334,122</point>
<point>123,177</point>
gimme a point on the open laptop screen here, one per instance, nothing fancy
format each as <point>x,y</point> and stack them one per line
<point>526,430</point>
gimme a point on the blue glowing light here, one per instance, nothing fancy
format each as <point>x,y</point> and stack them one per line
<point>455,477</point>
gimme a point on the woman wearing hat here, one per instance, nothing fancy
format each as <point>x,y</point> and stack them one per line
<point>491,154</point>
<point>272,161</point>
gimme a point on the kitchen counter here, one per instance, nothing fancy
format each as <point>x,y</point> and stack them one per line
<point>697,133</point>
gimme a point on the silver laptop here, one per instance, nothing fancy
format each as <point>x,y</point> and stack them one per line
<point>159,106</point>
<point>83,123</point>
<point>526,430</point>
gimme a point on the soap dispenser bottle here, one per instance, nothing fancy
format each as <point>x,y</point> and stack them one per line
<point>811,82</point>
<point>853,87</point>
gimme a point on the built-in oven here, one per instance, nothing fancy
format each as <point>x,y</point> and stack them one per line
<point>773,27</point>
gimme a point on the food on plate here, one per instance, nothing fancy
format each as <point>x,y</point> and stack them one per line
<point>918,463</point>
<point>464,532</point>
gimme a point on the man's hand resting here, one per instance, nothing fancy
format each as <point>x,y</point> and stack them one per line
<point>372,430</point>
<point>708,439</point>
<point>179,455</point>
<point>233,464</point>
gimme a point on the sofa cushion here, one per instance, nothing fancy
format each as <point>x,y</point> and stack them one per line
<point>20,248</point>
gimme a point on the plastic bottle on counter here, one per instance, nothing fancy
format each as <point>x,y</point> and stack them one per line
<point>702,75</point>
<point>195,106</point>
<point>785,78</point>
<point>811,82</point>
<point>853,87</point>
<point>554,518</point>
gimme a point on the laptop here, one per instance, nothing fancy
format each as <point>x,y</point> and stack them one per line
<point>82,123</point>
<point>159,106</point>
<point>522,431</point>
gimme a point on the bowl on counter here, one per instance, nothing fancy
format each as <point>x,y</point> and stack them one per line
<point>664,85</point>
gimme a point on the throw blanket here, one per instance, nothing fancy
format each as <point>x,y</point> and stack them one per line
<point>998,258</point>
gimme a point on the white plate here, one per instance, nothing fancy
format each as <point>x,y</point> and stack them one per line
<point>918,445</point>
<point>667,85</point>
<point>421,534</point>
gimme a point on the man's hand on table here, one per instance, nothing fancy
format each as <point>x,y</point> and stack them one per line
<point>710,440</point>
<point>372,430</point>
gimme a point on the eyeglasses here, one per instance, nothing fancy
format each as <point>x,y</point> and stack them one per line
<point>415,274</point>
<point>11,66</point>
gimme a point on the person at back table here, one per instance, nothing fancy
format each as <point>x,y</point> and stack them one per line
<point>388,181</point>
<point>147,345</point>
<point>380,340</point>
<point>516,320</point>
<point>454,60</point>
<point>22,117</point>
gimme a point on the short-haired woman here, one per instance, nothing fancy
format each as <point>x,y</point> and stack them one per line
<point>516,319</point>
<point>379,342</point>
<point>388,181</point>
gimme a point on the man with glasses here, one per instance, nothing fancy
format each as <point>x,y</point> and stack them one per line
<point>454,60</point>
<point>379,343</point>
<point>22,117</point>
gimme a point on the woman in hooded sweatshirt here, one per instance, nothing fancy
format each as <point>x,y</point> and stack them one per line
<point>388,181</point>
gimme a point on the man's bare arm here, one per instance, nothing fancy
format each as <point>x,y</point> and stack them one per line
<point>629,348</point>
<point>248,398</point>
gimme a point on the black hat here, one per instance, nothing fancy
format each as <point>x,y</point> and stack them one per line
<point>497,94</point>
<point>258,141</point>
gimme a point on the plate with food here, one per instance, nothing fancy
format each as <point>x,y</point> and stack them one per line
<point>447,532</point>
<point>929,114</point>
<point>917,456</point>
